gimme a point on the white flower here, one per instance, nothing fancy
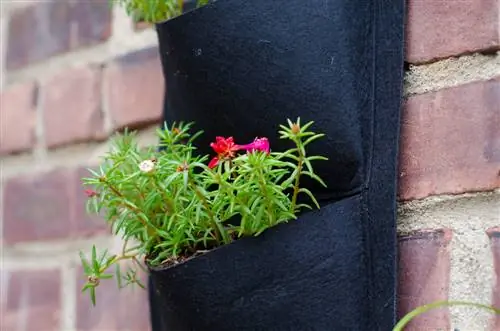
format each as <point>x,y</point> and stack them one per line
<point>147,166</point>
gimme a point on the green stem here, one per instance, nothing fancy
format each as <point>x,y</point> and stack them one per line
<point>229,189</point>
<point>124,247</point>
<point>139,264</point>
<point>425,308</point>
<point>233,173</point>
<point>116,260</point>
<point>296,187</point>
<point>220,232</point>
<point>149,229</point>
<point>263,188</point>
<point>170,205</point>
<point>139,191</point>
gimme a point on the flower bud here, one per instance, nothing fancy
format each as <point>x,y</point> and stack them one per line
<point>295,128</point>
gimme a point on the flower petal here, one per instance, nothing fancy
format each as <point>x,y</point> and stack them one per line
<point>91,193</point>
<point>213,162</point>
<point>259,144</point>
<point>224,146</point>
<point>147,166</point>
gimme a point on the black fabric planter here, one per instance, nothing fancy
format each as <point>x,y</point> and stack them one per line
<point>239,68</point>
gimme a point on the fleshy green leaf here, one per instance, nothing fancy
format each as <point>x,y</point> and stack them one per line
<point>92,295</point>
<point>85,264</point>
<point>95,262</point>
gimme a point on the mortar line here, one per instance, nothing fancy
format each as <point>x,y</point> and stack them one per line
<point>446,197</point>
<point>39,148</point>
<point>68,298</point>
<point>93,55</point>
<point>68,156</point>
<point>3,44</point>
<point>451,72</point>
<point>105,109</point>
<point>52,253</point>
<point>466,290</point>
<point>122,25</point>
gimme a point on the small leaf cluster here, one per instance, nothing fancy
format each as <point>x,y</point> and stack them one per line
<point>154,11</point>
<point>96,269</point>
<point>169,206</point>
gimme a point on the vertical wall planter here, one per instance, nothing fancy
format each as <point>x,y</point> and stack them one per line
<point>240,68</point>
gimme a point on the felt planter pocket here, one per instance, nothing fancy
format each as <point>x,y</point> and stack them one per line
<point>240,68</point>
<point>308,274</point>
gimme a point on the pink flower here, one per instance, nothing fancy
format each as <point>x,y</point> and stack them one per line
<point>91,193</point>
<point>259,144</point>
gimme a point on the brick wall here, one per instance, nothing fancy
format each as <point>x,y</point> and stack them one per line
<point>74,72</point>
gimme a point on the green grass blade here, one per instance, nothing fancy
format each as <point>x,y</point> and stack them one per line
<point>425,308</point>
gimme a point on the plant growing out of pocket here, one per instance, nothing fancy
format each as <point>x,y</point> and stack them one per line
<point>171,205</point>
<point>154,11</point>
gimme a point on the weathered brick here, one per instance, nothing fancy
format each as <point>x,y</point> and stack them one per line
<point>32,300</point>
<point>440,29</point>
<point>135,88</point>
<point>450,141</point>
<point>47,28</point>
<point>71,104</point>
<point>116,309</point>
<point>17,124</point>
<point>93,20</point>
<point>37,207</point>
<point>46,206</point>
<point>424,277</point>
<point>494,234</point>
<point>37,32</point>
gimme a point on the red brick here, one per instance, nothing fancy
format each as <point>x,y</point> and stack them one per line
<point>450,141</point>
<point>47,206</point>
<point>494,234</point>
<point>93,20</point>
<point>424,277</point>
<point>17,124</point>
<point>71,104</point>
<point>135,89</point>
<point>47,28</point>
<point>440,29</point>
<point>32,300</point>
<point>115,310</point>
<point>37,207</point>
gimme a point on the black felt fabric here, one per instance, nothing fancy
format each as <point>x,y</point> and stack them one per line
<point>239,68</point>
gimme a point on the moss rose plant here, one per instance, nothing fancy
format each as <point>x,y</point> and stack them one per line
<point>154,11</point>
<point>173,204</point>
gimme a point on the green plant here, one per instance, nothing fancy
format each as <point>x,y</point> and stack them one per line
<point>154,11</point>
<point>171,205</point>
<point>439,304</point>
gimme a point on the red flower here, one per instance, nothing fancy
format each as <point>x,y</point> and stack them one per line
<point>91,193</point>
<point>225,148</point>
<point>259,144</point>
